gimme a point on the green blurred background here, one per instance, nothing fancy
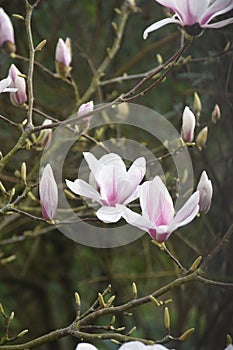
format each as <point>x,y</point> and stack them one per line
<point>39,284</point>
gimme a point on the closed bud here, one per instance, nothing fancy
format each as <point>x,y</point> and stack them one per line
<point>63,57</point>
<point>111,300</point>
<point>186,334</point>
<point>77,299</point>
<point>20,17</point>
<point>12,315</point>
<point>86,108</point>
<point>23,171</point>
<point>202,138</point>
<point>205,189</point>
<point>2,188</point>
<point>45,135</point>
<point>195,264</point>
<point>134,290</point>
<point>48,193</point>
<point>2,310</point>
<point>159,59</point>
<point>229,339</point>
<point>21,334</point>
<point>7,39</point>
<point>101,300</point>
<point>20,96</point>
<point>216,114</point>
<point>123,110</point>
<point>155,301</point>
<point>41,45</point>
<point>197,107</point>
<point>167,318</point>
<point>132,330</point>
<point>188,125</point>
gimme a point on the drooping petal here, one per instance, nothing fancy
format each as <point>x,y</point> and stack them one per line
<point>48,193</point>
<point>85,346</point>
<point>134,219</point>
<point>187,213</point>
<point>160,24</point>
<point>219,24</point>
<point>82,188</point>
<point>109,214</point>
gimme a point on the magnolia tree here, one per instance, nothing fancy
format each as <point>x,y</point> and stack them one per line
<point>102,169</point>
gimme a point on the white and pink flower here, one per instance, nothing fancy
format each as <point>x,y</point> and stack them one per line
<point>188,125</point>
<point>17,81</point>
<point>110,183</point>
<point>206,192</point>
<point>48,193</point>
<point>194,15</point>
<point>158,216</point>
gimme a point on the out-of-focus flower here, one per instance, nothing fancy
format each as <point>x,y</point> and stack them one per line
<point>48,193</point>
<point>110,183</point>
<point>4,85</point>
<point>188,125</point>
<point>84,109</point>
<point>202,138</point>
<point>216,114</point>
<point>63,57</point>
<point>7,39</point>
<point>47,133</point>
<point>194,15</point>
<point>229,347</point>
<point>133,345</point>
<point>205,191</point>
<point>85,346</point>
<point>158,217</point>
<point>20,96</point>
<point>197,106</point>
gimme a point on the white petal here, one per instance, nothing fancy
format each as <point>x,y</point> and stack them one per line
<point>48,193</point>
<point>109,214</point>
<point>82,188</point>
<point>134,219</point>
<point>85,346</point>
<point>220,24</point>
<point>133,345</point>
<point>187,213</point>
<point>160,24</point>
<point>136,172</point>
<point>217,8</point>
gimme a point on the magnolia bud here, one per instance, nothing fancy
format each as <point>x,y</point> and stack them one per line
<point>48,193</point>
<point>46,134</point>
<point>197,107</point>
<point>202,138</point>
<point>7,39</point>
<point>84,109</point>
<point>188,125</point>
<point>216,114</point>
<point>205,191</point>
<point>20,96</point>
<point>63,57</point>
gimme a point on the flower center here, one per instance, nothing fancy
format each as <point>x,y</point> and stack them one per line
<point>193,30</point>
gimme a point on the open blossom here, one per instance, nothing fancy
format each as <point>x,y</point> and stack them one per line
<point>194,15</point>
<point>7,39</point>
<point>4,85</point>
<point>133,345</point>
<point>48,193</point>
<point>188,125</point>
<point>206,191</point>
<point>110,183</point>
<point>158,217</point>
<point>20,96</point>
<point>63,57</point>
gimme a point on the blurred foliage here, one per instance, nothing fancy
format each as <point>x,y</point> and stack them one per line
<point>39,284</point>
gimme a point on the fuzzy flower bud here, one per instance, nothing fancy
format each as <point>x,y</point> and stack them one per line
<point>20,96</point>
<point>84,109</point>
<point>205,191</point>
<point>48,193</point>
<point>216,114</point>
<point>63,57</point>
<point>7,39</point>
<point>188,125</point>
<point>197,107</point>
<point>202,138</point>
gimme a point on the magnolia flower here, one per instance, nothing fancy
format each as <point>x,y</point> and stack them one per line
<point>48,193</point>
<point>188,125</point>
<point>63,57</point>
<point>7,39</point>
<point>206,191</point>
<point>84,109</point>
<point>110,183</point>
<point>194,15</point>
<point>4,83</point>
<point>20,96</point>
<point>133,345</point>
<point>158,211</point>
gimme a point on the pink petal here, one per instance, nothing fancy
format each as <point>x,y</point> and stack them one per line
<point>160,24</point>
<point>48,193</point>
<point>217,8</point>
<point>187,213</point>
<point>82,188</point>
<point>134,219</point>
